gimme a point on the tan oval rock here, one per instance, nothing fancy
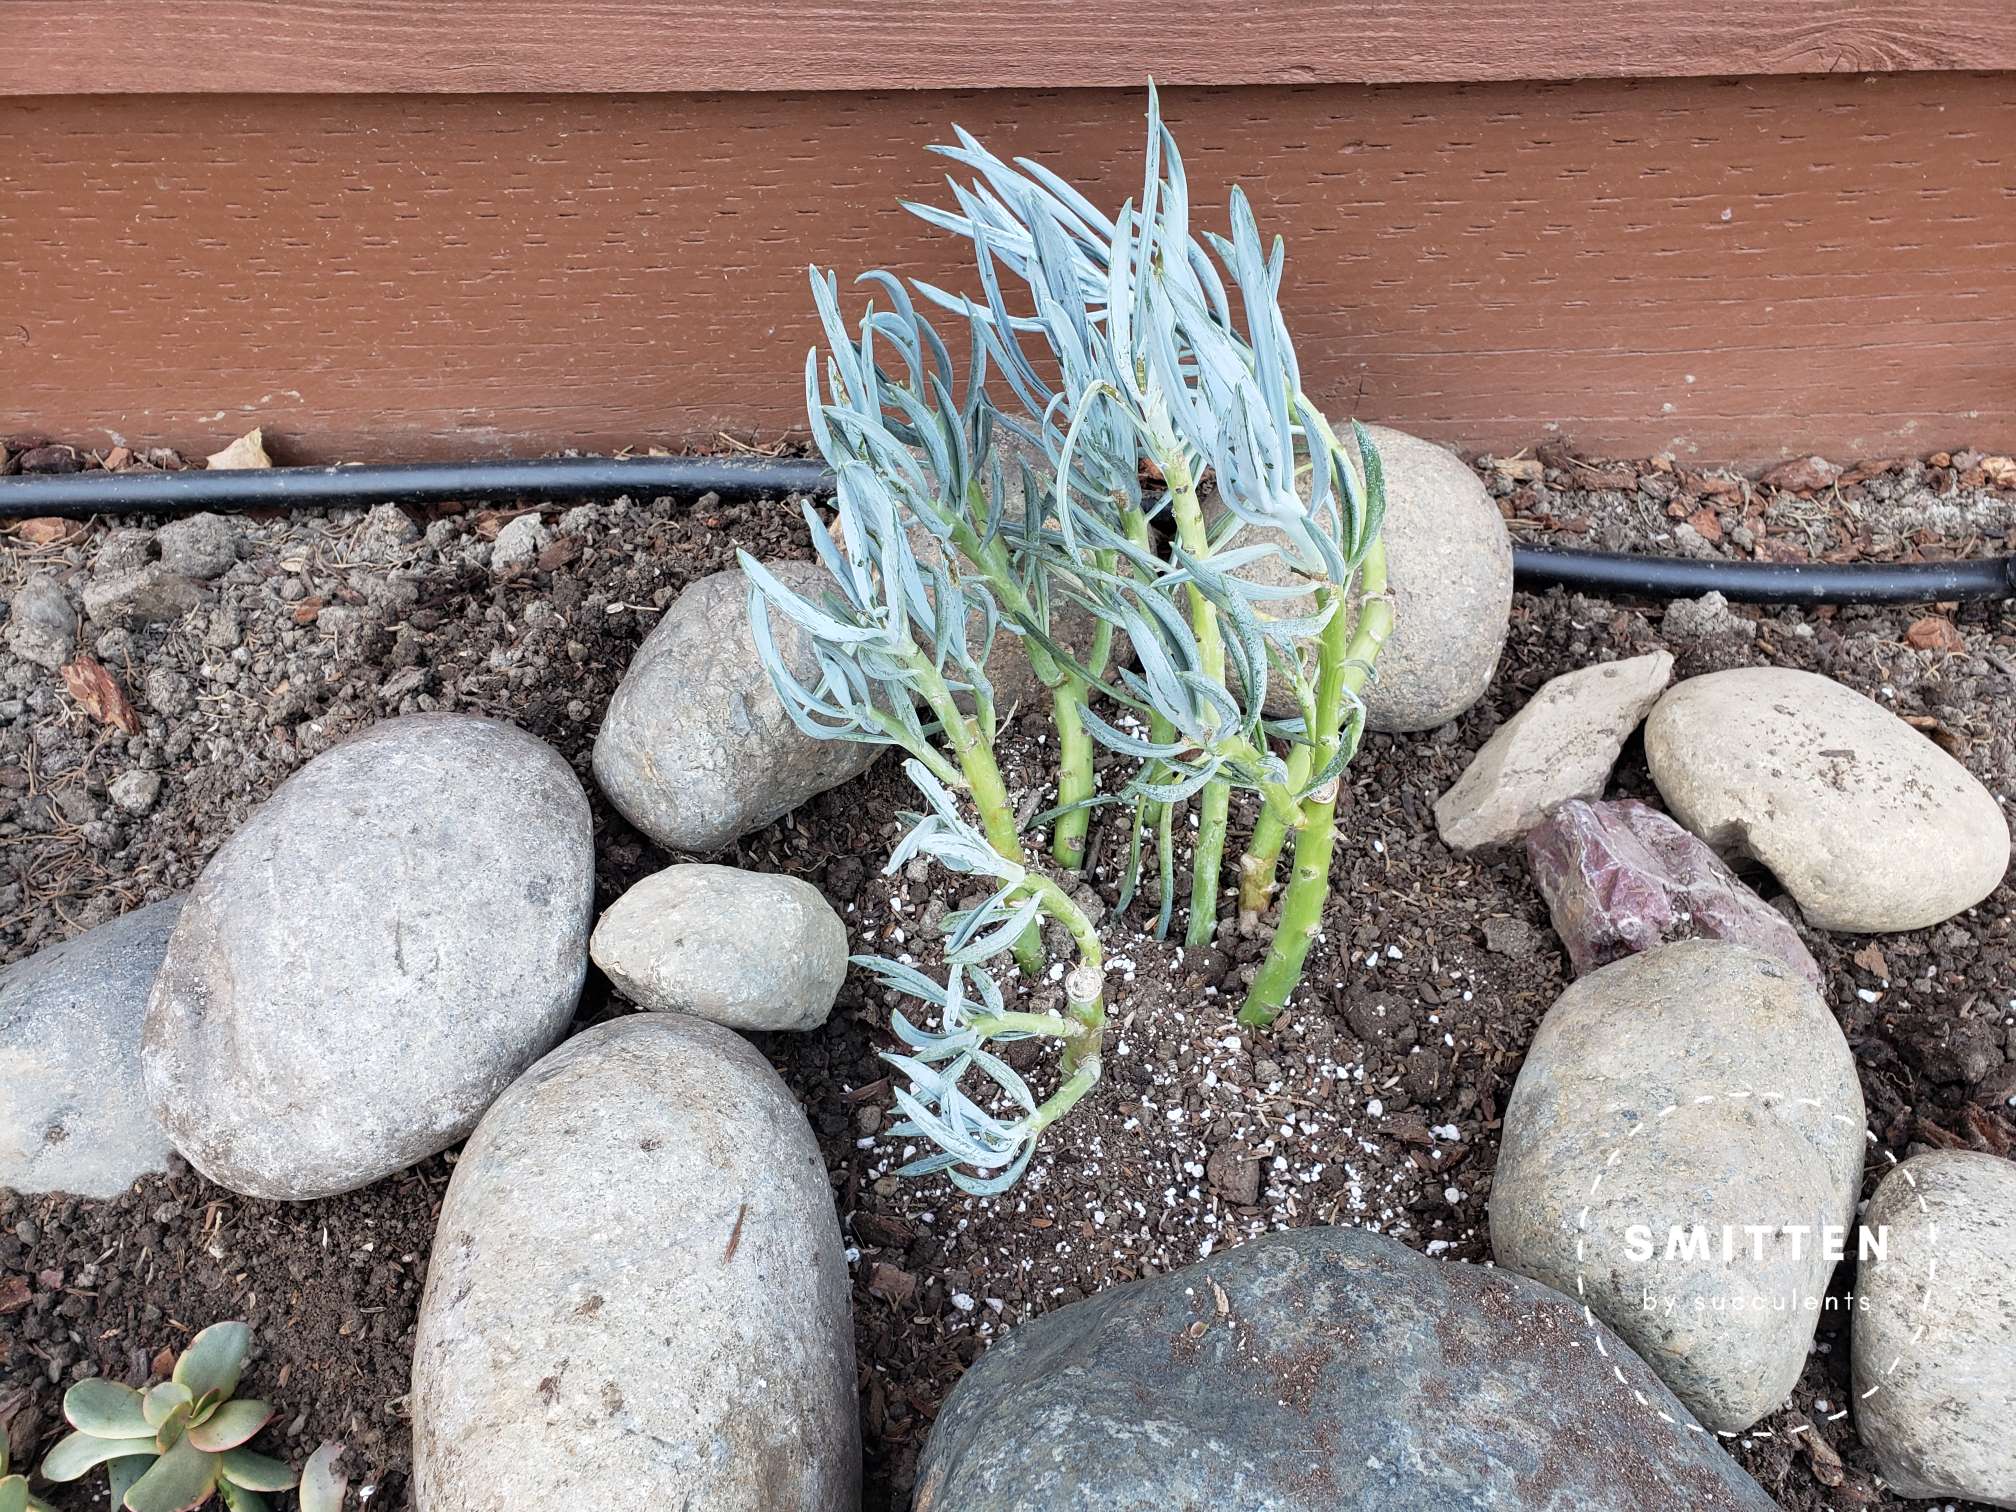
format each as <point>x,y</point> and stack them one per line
<point>1868,824</point>
<point>1685,1133</point>
<point>1006,664</point>
<point>696,748</point>
<point>752,950</point>
<point>1935,1328</point>
<point>396,933</point>
<point>1561,745</point>
<point>1449,558</point>
<point>638,1292</point>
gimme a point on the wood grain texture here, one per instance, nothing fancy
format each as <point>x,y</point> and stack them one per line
<point>546,46</point>
<point>1735,270</point>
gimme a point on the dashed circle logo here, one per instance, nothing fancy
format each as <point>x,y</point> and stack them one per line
<point>1691,1291</point>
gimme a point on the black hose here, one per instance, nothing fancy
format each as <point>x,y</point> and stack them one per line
<point>99,492</point>
<point>555,478</point>
<point>1649,577</point>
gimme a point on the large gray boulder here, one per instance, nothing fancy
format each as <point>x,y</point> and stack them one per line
<point>1561,745</point>
<point>1869,825</point>
<point>73,1112</point>
<point>696,749</point>
<point>1684,1136</point>
<point>389,941</point>
<point>1935,1328</point>
<point>638,1295</point>
<point>1320,1370</point>
<point>1449,561</point>
<point>751,950</point>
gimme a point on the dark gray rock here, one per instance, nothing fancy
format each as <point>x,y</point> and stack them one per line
<point>696,748</point>
<point>73,1112</point>
<point>1327,1368</point>
<point>389,941</point>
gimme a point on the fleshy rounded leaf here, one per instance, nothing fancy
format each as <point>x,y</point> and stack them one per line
<point>80,1451</point>
<point>124,1474</point>
<point>238,1499</point>
<point>214,1359</point>
<point>182,1478</point>
<point>256,1472</point>
<point>105,1409</point>
<point>231,1425</point>
<point>169,1434</point>
<point>161,1400</point>
<point>14,1494</point>
<point>322,1484</point>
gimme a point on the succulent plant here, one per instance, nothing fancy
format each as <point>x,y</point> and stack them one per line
<point>14,1495</point>
<point>1128,347</point>
<point>174,1445</point>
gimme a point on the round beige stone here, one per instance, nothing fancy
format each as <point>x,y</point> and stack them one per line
<point>1935,1328</point>
<point>1449,562</point>
<point>638,1291</point>
<point>751,950</point>
<point>1868,824</point>
<point>1686,1128</point>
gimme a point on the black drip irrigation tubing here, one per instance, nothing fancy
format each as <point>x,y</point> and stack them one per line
<point>559,478</point>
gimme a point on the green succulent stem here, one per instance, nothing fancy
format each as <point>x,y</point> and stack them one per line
<point>1215,802</point>
<point>1263,854</point>
<point>1214,813</point>
<point>1082,1027</point>
<point>982,778</point>
<point>1068,690</point>
<point>1074,772</point>
<point>1075,785</point>
<point>1082,1078</point>
<point>1345,658</point>
<point>1084,1004</point>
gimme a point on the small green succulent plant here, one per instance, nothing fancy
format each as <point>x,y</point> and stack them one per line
<point>171,1447</point>
<point>14,1495</point>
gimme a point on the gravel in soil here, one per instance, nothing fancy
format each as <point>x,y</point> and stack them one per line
<point>1375,1102</point>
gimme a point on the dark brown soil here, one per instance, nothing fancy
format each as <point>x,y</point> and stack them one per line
<point>1375,1102</point>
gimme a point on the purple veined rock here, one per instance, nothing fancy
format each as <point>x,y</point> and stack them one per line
<point>1621,877</point>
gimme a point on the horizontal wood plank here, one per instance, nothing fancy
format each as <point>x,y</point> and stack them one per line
<point>627,46</point>
<point>1732,270</point>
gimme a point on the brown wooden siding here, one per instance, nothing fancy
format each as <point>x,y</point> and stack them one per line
<point>618,46</point>
<point>1729,268</point>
